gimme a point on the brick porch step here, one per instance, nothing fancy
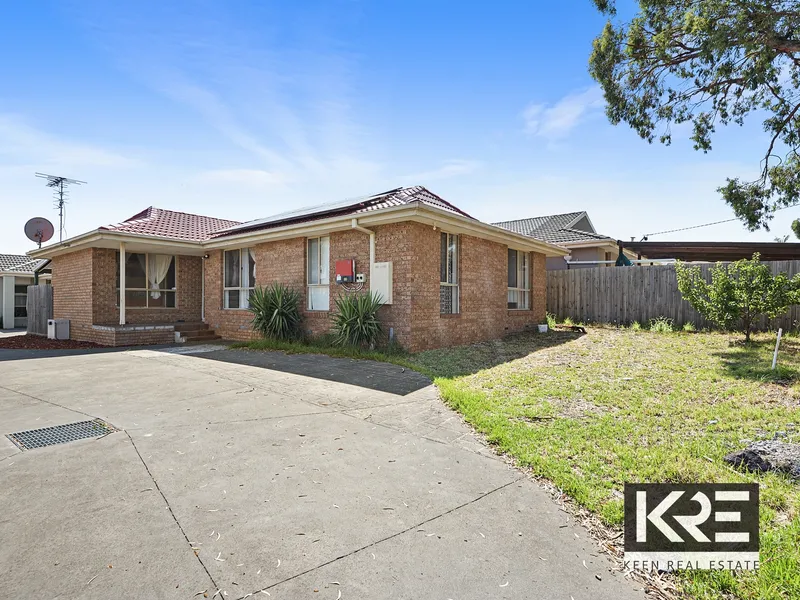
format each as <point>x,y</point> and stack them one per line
<point>196,332</point>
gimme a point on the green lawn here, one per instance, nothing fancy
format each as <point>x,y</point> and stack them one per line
<point>590,412</point>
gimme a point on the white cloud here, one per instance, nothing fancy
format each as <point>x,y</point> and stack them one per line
<point>245,177</point>
<point>558,120</point>
<point>449,168</point>
<point>21,142</point>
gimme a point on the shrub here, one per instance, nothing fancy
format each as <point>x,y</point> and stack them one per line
<point>689,327</point>
<point>739,294</point>
<point>636,326</point>
<point>569,322</point>
<point>551,321</point>
<point>356,320</point>
<point>276,312</point>
<point>661,325</point>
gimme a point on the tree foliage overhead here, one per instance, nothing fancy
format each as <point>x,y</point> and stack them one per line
<point>738,294</point>
<point>710,63</point>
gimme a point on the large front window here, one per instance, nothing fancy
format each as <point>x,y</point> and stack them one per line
<point>240,277</point>
<point>448,280</point>
<point>519,286</point>
<point>318,267</point>
<point>150,280</point>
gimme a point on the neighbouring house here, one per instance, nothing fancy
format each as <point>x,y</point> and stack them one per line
<point>445,277</point>
<point>573,231</point>
<point>16,273</point>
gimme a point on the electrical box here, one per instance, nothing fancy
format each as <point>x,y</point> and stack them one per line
<point>345,271</point>
<point>58,329</point>
<point>381,281</point>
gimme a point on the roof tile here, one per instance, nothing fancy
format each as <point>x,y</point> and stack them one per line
<point>171,224</point>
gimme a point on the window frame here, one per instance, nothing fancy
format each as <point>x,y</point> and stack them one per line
<point>320,263</point>
<point>522,272</point>
<point>454,271</point>
<point>147,289</point>
<point>24,306</point>
<point>244,274</point>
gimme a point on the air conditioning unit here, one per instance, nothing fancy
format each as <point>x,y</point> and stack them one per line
<point>58,329</point>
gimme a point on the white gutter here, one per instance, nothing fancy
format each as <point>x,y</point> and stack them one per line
<point>354,225</point>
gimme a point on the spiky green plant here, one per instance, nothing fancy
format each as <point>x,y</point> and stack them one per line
<point>276,311</point>
<point>661,325</point>
<point>355,322</point>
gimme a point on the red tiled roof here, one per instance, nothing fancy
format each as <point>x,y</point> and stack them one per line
<point>397,197</point>
<point>171,224</point>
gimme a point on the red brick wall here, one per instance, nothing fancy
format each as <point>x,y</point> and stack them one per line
<point>72,292</point>
<point>483,289</point>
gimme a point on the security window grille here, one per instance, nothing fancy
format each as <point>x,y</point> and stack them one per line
<point>318,268</point>
<point>150,280</point>
<point>240,277</point>
<point>448,280</point>
<point>20,299</point>
<point>519,280</point>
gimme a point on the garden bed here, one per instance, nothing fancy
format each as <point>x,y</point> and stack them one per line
<point>38,342</point>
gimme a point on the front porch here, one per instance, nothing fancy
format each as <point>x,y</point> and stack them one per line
<point>152,333</point>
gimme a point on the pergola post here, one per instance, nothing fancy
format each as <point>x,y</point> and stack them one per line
<point>122,283</point>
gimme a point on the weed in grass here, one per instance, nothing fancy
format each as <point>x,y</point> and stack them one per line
<point>551,321</point>
<point>661,325</point>
<point>568,322</point>
<point>636,326</point>
<point>689,326</point>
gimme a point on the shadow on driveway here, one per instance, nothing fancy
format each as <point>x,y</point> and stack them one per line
<point>383,377</point>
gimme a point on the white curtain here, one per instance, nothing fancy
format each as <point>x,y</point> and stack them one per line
<point>157,268</point>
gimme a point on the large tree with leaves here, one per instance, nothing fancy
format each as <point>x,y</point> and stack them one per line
<point>710,63</point>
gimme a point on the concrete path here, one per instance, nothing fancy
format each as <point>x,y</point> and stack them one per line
<point>240,478</point>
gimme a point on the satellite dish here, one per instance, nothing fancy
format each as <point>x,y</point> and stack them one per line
<point>39,230</point>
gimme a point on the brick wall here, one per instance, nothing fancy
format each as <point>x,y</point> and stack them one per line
<point>483,289</point>
<point>72,292</point>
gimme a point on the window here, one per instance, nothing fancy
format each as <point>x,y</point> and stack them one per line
<point>448,267</point>
<point>519,281</point>
<point>319,252</point>
<point>150,280</point>
<point>20,299</point>
<point>240,277</point>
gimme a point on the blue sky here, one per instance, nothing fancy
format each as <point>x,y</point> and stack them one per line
<point>243,109</point>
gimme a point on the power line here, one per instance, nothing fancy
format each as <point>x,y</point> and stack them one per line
<point>710,224</point>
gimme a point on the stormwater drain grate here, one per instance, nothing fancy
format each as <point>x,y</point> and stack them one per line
<point>60,434</point>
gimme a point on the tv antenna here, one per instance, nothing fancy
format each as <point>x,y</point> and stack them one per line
<point>60,187</point>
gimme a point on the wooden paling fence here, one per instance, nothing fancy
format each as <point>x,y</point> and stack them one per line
<point>40,308</point>
<point>622,295</point>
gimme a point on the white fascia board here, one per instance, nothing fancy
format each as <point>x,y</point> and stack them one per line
<point>100,238</point>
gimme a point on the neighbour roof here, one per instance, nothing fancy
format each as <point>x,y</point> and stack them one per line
<point>397,197</point>
<point>715,251</point>
<point>555,229</point>
<point>171,224</point>
<point>18,263</point>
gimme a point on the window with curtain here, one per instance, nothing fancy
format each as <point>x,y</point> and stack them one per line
<point>318,267</point>
<point>150,280</point>
<point>448,280</point>
<point>519,280</point>
<point>239,277</point>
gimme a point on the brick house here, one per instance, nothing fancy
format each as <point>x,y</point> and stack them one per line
<point>445,277</point>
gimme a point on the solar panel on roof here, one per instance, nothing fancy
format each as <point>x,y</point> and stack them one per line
<point>309,210</point>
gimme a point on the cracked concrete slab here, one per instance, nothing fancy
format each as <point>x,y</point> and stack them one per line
<point>277,479</point>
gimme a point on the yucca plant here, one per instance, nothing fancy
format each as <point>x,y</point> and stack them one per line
<point>356,320</point>
<point>276,311</point>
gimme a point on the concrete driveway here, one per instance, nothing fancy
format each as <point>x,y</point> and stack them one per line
<point>304,477</point>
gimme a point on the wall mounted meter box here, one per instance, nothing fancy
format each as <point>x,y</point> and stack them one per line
<point>381,281</point>
<point>345,271</point>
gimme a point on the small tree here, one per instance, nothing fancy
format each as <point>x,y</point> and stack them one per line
<point>738,294</point>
